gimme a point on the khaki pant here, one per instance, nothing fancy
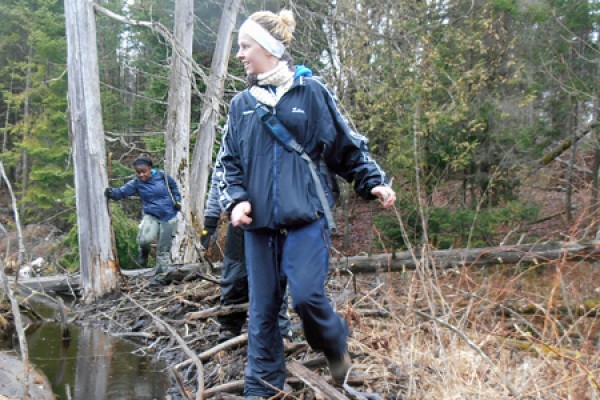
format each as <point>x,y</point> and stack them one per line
<point>152,229</point>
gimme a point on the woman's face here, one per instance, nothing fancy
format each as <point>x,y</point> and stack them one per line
<point>143,172</point>
<point>255,58</point>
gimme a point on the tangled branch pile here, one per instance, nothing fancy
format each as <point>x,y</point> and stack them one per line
<point>466,333</point>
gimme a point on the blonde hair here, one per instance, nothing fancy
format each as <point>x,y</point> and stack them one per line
<point>281,25</point>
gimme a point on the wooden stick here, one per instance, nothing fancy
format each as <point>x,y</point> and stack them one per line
<point>205,355</point>
<point>162,324</point>
<point>64,329</point>
<point>316,382</point>
<point>216,311</point>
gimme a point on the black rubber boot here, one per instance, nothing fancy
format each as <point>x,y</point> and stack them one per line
<point>143,253</point>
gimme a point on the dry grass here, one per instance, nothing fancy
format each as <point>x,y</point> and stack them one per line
<point>489,333</point>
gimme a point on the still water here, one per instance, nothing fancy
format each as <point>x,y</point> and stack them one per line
<point>93,365</point>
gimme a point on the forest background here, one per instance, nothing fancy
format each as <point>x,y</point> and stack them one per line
<point>484,112</point>
<point>474,96</point>
<point>462,101</point>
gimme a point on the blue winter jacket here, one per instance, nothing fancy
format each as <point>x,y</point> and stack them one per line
<point>277,182</point>
<point>213,206</point>
<point>156,199</point>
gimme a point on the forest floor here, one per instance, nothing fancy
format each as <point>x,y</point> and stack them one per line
<point>500,332</point>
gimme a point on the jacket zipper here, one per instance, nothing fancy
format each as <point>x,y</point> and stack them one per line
<point>275,188</point>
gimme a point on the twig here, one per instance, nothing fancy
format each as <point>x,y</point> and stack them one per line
<point>205,355</point>
<point>216,311</point>
<point>184,392</point>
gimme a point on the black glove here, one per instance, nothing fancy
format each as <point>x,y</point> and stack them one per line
<point>210,230</point>
<point>108,193</point>
<point>177,206</point>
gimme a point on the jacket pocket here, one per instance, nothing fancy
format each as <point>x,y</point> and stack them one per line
<point>297,201</point>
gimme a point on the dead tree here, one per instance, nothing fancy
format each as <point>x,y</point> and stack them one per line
<point>99,271</point>
<point>177,138</point>
<point>202,157</point>
<point>200,167</point>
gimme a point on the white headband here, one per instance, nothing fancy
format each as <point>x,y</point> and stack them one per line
<point>262,37</point>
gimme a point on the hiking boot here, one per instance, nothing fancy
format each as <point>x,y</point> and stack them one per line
<point>159,280</point>
<point>339,367</point>
<point>226,335</point>
<point>142,258</point>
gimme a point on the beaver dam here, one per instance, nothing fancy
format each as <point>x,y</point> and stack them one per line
<point>527,330</point>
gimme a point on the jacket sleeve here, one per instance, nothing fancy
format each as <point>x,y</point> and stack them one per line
<point>232,186</point>
<point>213,205</point>
<point>174,188</point>
<point>127,190</point>
<point>346,152</point>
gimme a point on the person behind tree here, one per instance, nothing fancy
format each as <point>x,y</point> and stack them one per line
<point>270,191</point>
<point>234,276</point>
<point>161,201</point>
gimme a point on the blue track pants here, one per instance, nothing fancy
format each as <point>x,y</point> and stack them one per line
<point>300,256</point>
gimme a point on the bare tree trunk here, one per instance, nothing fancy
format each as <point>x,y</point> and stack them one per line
<point>10,292</point>
<point>178,113</point>
<point>573,119</point>
<point>21,254</point>
<point>24,162</point>
<point>202,158</point>
<point>99,271</point>
<point>7,117</point>
<point>595,170</point>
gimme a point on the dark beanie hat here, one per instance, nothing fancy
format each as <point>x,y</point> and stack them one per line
<point>142,160</point>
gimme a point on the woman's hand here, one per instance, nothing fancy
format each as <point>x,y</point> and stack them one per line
<point>385,194</point>
<point>239,214</point>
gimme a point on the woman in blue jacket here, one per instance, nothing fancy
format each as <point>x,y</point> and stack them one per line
<point>269,190</point>
<point>161,201</point>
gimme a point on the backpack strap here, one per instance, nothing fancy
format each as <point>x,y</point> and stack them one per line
<point>283,136</point>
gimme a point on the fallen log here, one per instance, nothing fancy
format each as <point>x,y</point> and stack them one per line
<point>522,254</point>
<point>506,255</point>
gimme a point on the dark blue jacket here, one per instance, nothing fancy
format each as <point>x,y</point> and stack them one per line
<point>156,199</point>
<point>213,205</point>
<point>277,182</point>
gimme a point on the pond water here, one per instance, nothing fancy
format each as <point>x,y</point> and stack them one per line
<point>93,365</point>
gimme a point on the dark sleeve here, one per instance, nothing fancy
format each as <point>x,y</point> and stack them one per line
<point>346,152</point>
<point>232,182</point>
<point>127,190</point>
<point>213,205</point>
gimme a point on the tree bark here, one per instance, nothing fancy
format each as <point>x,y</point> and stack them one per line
<point>99,271</point>
<point>178,113</point>
<point>594,207</point>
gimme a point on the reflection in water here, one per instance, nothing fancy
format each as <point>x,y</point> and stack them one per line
<point>95,365</point>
